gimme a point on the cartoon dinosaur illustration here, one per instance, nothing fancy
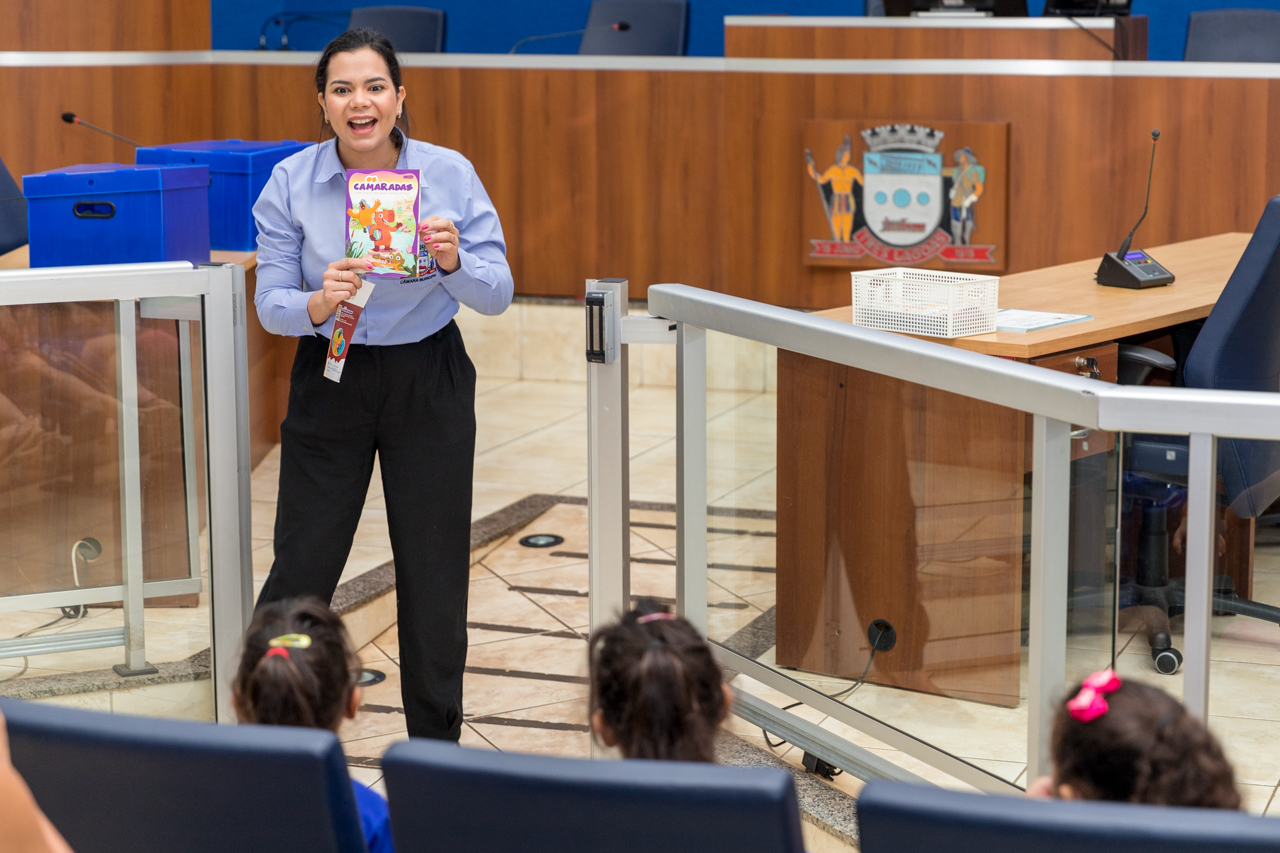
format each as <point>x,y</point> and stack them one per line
<point>364,214</point>
<point>380,230</point>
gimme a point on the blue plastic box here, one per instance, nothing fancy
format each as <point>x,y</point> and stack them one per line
<point>239,170</point>
<point>109,213</point>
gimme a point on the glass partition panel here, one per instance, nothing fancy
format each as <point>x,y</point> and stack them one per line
<point>869,538</point>
<point>64,498</point>
<point>1244,691</point>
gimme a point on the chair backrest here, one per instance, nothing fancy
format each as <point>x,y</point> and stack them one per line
<point>653,28</point>
<point>1233,35</point>
<point>444,797</point>
<point>410,29</point>
<point>13,213</point>
<point>897,818</point>
<point>113,782</point>
<point>1239,349</point>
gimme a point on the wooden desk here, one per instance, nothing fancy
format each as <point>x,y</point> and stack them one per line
<point>803,37</point>
<point>904,503</point>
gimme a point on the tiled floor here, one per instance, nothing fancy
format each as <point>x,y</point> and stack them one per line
<point>525,688</point>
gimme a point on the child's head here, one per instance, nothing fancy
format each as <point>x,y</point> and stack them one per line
<point>1127,742</point>
<point>298,668</point>
<point>656,690</point>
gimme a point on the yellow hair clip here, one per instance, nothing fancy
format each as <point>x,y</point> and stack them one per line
<point>291,641</point>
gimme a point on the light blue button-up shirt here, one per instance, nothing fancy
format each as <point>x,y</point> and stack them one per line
<point>302,228</point>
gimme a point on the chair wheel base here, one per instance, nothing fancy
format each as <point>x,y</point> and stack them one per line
<point>1167,660</point>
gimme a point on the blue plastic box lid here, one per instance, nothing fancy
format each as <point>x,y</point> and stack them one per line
<point>100,178</point>
<point>224,155</point>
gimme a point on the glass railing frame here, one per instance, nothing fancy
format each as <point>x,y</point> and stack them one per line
<point>1055,400</point>
<point>214,295</point>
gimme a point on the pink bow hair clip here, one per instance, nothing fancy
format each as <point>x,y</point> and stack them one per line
<point>1090,703</point>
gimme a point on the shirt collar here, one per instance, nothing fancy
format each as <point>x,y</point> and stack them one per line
<point>328,165</point>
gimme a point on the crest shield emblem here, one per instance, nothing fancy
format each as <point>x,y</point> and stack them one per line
<point>903,195</point>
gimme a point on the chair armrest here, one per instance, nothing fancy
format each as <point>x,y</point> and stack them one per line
<point>1136,364</point>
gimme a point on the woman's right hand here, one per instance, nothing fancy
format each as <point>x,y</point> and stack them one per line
<point>341,281</point>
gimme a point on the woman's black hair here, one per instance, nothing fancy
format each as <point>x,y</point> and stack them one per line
<point>308,684</point>
<point>1145,749</point>
<point>358,39</point>
<point>657,686</point>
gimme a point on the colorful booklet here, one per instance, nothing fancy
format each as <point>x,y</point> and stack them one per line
<point>382,227</point>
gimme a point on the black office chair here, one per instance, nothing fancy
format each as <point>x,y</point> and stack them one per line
<point>568,805</point>
<point>636,28</point>
<point>410,29</point>
<point>1233,35</point>
<point>13,213</point>
<point>897,818</point>
<point>112,782</point>
<point>1237,349</point>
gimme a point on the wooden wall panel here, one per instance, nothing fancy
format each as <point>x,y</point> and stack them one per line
<point>699,176</point>
<point>915,43</point>
<point>1211,170</point>
<point>105,25</point>
<point>149,104</point>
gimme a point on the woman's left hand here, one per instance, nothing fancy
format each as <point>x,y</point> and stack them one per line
<point>441,238</point>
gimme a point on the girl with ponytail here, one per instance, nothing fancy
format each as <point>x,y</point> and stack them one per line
<point>656,690</point>
<point>299,669</point>
<point>1131,743</point>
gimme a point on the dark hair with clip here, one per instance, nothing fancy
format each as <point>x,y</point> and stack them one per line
<point>1146,748</point>
<point>290,685</point>
<point>349,42</point>
<point>656,684</point>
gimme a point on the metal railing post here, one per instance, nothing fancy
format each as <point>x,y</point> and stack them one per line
<point>1202,494</point>
<point>190,470</point>
<point>227,427</point>
<point>1047,647</point>
<point>135,656</point>
<point>691,474</point>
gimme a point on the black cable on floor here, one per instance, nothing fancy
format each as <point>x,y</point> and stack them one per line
<point>841,697</point>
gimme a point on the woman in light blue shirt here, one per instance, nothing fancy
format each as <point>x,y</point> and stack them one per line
<point>407,390</point>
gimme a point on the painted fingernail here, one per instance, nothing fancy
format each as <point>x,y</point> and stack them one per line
<point>436,246</point>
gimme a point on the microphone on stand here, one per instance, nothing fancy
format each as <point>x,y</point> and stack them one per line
<point>1135,269</point>
<point>620,26</point>
<point>72,118</point>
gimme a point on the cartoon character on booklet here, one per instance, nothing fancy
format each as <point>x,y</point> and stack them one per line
<point>364,214</point>
<point>381,234</point>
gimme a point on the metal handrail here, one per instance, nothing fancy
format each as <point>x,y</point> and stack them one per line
<point>1056,400</point>
<point>1017,385</point>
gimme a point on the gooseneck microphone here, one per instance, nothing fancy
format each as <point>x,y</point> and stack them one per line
<point>72,118</point>
<point>1135,269</point>
<point>620,26</point>
<point>1124,247</point>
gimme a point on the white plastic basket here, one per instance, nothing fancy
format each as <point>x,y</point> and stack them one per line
<point>925,302</point>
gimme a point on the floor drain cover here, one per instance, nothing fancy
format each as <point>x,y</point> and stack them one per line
<point>541,540</point>
<point>369,677</point>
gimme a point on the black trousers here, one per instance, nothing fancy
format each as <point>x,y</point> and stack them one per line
<point>413,404</point>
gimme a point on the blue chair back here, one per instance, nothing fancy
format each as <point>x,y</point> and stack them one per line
<point>1233,35</point>
<point>654,28</point>
<point>13,213</point>
<point>112,782</point>
<point>444,797</point>
<point>897,818</point>
<point>410,29</point>
<point>1239,350</point>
